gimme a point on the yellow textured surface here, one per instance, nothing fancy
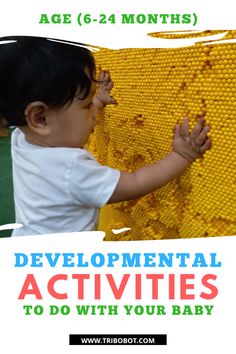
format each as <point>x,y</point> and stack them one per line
<point>155,89</point>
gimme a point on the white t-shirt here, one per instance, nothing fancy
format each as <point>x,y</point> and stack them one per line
<point>58,189</point>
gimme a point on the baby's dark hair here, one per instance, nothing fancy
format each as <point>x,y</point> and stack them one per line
<point>41,69</point>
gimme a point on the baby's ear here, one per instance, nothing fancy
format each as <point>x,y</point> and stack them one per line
<point>36,116</point>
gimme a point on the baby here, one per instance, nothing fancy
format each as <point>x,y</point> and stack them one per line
<point>49,92</point>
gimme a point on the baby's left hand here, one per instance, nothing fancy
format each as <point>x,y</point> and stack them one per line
<point>105,86</point>
<point>191,145</point>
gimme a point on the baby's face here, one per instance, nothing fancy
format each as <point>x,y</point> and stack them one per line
<point>72,125</point>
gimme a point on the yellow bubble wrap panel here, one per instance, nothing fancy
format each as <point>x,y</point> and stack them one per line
<point>155,89</point>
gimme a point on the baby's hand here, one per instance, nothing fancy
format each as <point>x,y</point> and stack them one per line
<point>105,86</point>
<point>191,145</point>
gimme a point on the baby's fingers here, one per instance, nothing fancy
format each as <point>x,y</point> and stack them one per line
<point>110,85</point>
<point>107,76</point>
<point>202,136</point>
<point>177,132</point>
<point>206,146</point>
<point>185,129</point>
<point>198,128</point>
<point>113,100</point>
<point>102,75</point>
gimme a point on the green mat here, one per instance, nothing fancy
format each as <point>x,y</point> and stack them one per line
<point>7,214</point>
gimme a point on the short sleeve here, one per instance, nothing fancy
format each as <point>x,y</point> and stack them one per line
<point>91,183</point>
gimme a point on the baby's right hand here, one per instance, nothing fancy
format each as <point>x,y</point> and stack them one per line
<point>105,86</point>
<point>191,145</point>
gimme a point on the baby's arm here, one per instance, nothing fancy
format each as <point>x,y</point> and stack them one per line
<point>186,148</point>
